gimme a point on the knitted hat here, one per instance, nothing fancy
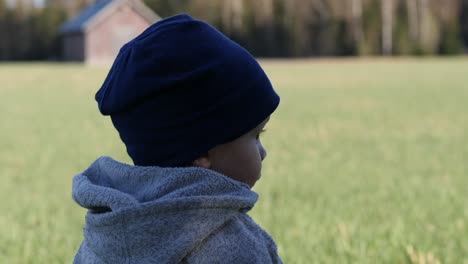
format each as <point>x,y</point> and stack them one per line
<point>181,88</point>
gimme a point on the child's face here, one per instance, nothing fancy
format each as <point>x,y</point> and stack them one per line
<point>240,159</point>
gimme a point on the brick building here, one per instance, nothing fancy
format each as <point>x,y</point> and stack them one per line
<point>97,33</point>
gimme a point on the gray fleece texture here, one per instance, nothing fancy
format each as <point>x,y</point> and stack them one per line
<point>167,215</point>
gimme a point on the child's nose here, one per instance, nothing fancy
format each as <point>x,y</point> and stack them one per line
<point>263,152</point>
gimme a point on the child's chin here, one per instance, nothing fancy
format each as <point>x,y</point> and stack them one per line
<point>258,178</point>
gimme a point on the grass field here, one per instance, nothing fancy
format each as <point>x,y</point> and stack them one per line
<point>367,160</point>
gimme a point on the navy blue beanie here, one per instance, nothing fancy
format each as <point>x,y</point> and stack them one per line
<point>181,88</point>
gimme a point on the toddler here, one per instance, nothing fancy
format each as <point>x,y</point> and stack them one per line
<point>189,104</point>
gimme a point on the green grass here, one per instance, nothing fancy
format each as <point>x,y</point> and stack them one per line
<point>366,160</point>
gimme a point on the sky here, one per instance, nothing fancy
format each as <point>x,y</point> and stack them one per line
<point>36,2</point>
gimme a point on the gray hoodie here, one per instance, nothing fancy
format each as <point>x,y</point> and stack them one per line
<point>167,215</point>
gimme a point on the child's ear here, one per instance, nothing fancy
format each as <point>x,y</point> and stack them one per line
<point>203,162</point>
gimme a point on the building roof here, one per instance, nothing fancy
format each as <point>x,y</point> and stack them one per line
<point>99,9</point>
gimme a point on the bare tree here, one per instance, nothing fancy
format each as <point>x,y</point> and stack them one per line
<point>232,14</point>
<point>356,22</point>
<point>322,8</point>
<point>423,10</point>
<point>387,26</point>
<point>264,12</point>
<point>413,19</point>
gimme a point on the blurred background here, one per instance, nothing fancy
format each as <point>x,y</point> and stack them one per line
<point>367,153</point>
<point>30,29</point>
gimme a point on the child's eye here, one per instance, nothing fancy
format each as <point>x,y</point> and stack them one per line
<point>261,132</point>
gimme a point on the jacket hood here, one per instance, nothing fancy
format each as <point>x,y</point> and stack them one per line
<point>154,214</point>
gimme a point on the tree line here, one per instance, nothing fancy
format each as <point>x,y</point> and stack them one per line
<point>269,28</point>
